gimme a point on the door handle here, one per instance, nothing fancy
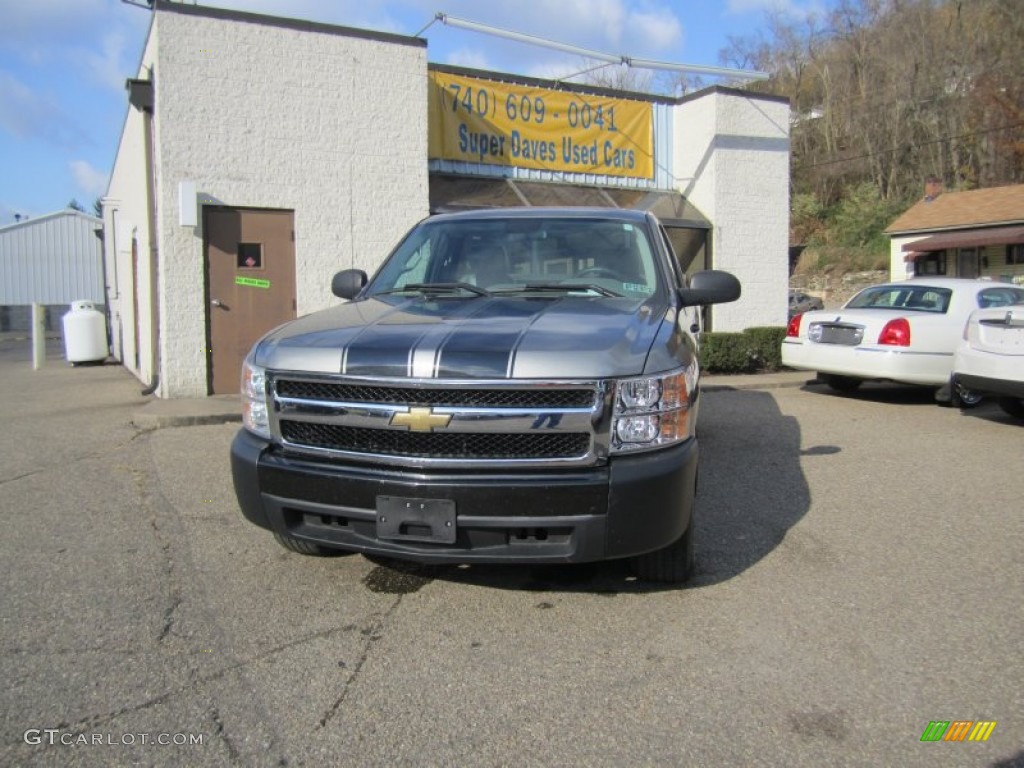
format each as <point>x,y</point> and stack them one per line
<point>216,303</point>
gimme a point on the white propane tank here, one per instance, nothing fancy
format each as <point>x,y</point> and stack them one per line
<point>85,333</point>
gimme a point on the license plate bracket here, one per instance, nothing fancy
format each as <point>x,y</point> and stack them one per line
<point>406,519</point>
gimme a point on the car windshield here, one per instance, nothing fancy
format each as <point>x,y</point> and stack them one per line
<point>546,256</point>
<point>921,298</point>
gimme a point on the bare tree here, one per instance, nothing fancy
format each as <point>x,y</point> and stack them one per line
<point>895,91</point>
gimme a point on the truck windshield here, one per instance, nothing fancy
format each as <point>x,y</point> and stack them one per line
<point>592,257</point>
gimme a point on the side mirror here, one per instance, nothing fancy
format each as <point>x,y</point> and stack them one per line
<point>711,286</point>
<point>348,283</point>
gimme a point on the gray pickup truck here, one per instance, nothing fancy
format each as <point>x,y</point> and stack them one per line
<point>512,386</point>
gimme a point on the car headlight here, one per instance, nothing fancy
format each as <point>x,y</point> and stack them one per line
<point>255,416</point>
<point>653,411</point>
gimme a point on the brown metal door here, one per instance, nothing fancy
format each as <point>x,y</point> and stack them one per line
<point>250,267</point>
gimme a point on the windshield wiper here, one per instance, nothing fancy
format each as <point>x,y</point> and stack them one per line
<point>569,287</point>
<point>439,288</point>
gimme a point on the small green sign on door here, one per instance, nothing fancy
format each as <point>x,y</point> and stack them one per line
<point>252,282</point>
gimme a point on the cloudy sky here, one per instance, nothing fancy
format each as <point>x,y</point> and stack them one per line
<point>63,64</point>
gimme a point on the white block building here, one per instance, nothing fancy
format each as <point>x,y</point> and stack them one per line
<point>260,155</point>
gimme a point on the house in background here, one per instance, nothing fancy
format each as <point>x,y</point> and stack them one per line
<point>979,233</point>
<point>51,260</point>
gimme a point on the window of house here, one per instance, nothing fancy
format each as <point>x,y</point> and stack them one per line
<point>931,264</point>
<point>1015,254</point>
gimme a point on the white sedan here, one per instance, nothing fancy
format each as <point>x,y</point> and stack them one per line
<point>989,359</point>
<point>904,332</point>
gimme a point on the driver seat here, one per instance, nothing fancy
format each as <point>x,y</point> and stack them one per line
<point>484,264</point>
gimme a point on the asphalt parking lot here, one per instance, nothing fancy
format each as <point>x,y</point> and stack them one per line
<point>859,575</point>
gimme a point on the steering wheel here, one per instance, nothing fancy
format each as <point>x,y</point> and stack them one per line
<point>599,272</point>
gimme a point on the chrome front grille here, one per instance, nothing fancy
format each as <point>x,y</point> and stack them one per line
<point>468,398</point>
<point>441,423</point>
<point>437,445</point>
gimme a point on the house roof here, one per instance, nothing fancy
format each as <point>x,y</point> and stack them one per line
<point>963,210</point>
<point>973,238</point>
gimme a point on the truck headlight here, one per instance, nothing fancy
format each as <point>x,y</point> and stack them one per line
<point>255,417</point>
<point>652,411</point>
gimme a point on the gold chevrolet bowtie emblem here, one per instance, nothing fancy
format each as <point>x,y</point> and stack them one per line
<point>420,420</point>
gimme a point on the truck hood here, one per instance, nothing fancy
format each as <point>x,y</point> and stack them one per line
<point>481,337</point>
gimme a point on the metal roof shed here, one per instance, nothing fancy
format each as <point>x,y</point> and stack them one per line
<point>52,259</point>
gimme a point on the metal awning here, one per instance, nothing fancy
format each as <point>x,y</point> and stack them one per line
<point>975,238</point>
<point>449,193</point>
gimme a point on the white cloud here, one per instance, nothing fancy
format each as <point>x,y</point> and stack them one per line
<point>50,20</point>
<point>555,70</point>
<point>790,8</point>
<point>106,64</point>
<point>99,39</point>
<point>638,27</point>
<point>26,114</point>
<point>89,181</point>
<point>468,57</point>
<point>661,28</point>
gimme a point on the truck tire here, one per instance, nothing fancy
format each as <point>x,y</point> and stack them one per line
<point>670,565</point>
<point>303,547</point>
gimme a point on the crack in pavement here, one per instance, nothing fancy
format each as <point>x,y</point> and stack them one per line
<point>373,634</point>
<point>221,733</point>
<point>105,717</point>
<point>105,453</point>
<point>148,508</point>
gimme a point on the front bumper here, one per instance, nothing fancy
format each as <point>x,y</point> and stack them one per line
<point>635,504</point>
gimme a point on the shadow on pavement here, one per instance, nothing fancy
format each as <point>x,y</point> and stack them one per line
<point>884,392</point>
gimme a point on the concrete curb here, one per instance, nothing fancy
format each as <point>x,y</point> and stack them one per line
<point>757,381</point>
<point>188,412</point>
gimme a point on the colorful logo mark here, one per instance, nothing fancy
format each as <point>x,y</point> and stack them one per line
<point>958,730</point>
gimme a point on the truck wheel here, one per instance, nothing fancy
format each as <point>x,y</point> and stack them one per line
<point>844,384</point>
<point>305,547</point>
<point>1012,406</point>
<point>671,565</point>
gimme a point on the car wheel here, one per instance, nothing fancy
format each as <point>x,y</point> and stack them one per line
<point>963,398</point>
<point>671,565</point>
<point>304,547</point>
<point>1012,406</point>
<point>840,383</point>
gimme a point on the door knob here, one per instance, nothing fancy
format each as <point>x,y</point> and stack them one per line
<point>216,302</point>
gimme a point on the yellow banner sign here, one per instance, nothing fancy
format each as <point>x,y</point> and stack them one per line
<point>484,121</point>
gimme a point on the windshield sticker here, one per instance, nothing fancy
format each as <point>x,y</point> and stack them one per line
<point>635,287</point>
